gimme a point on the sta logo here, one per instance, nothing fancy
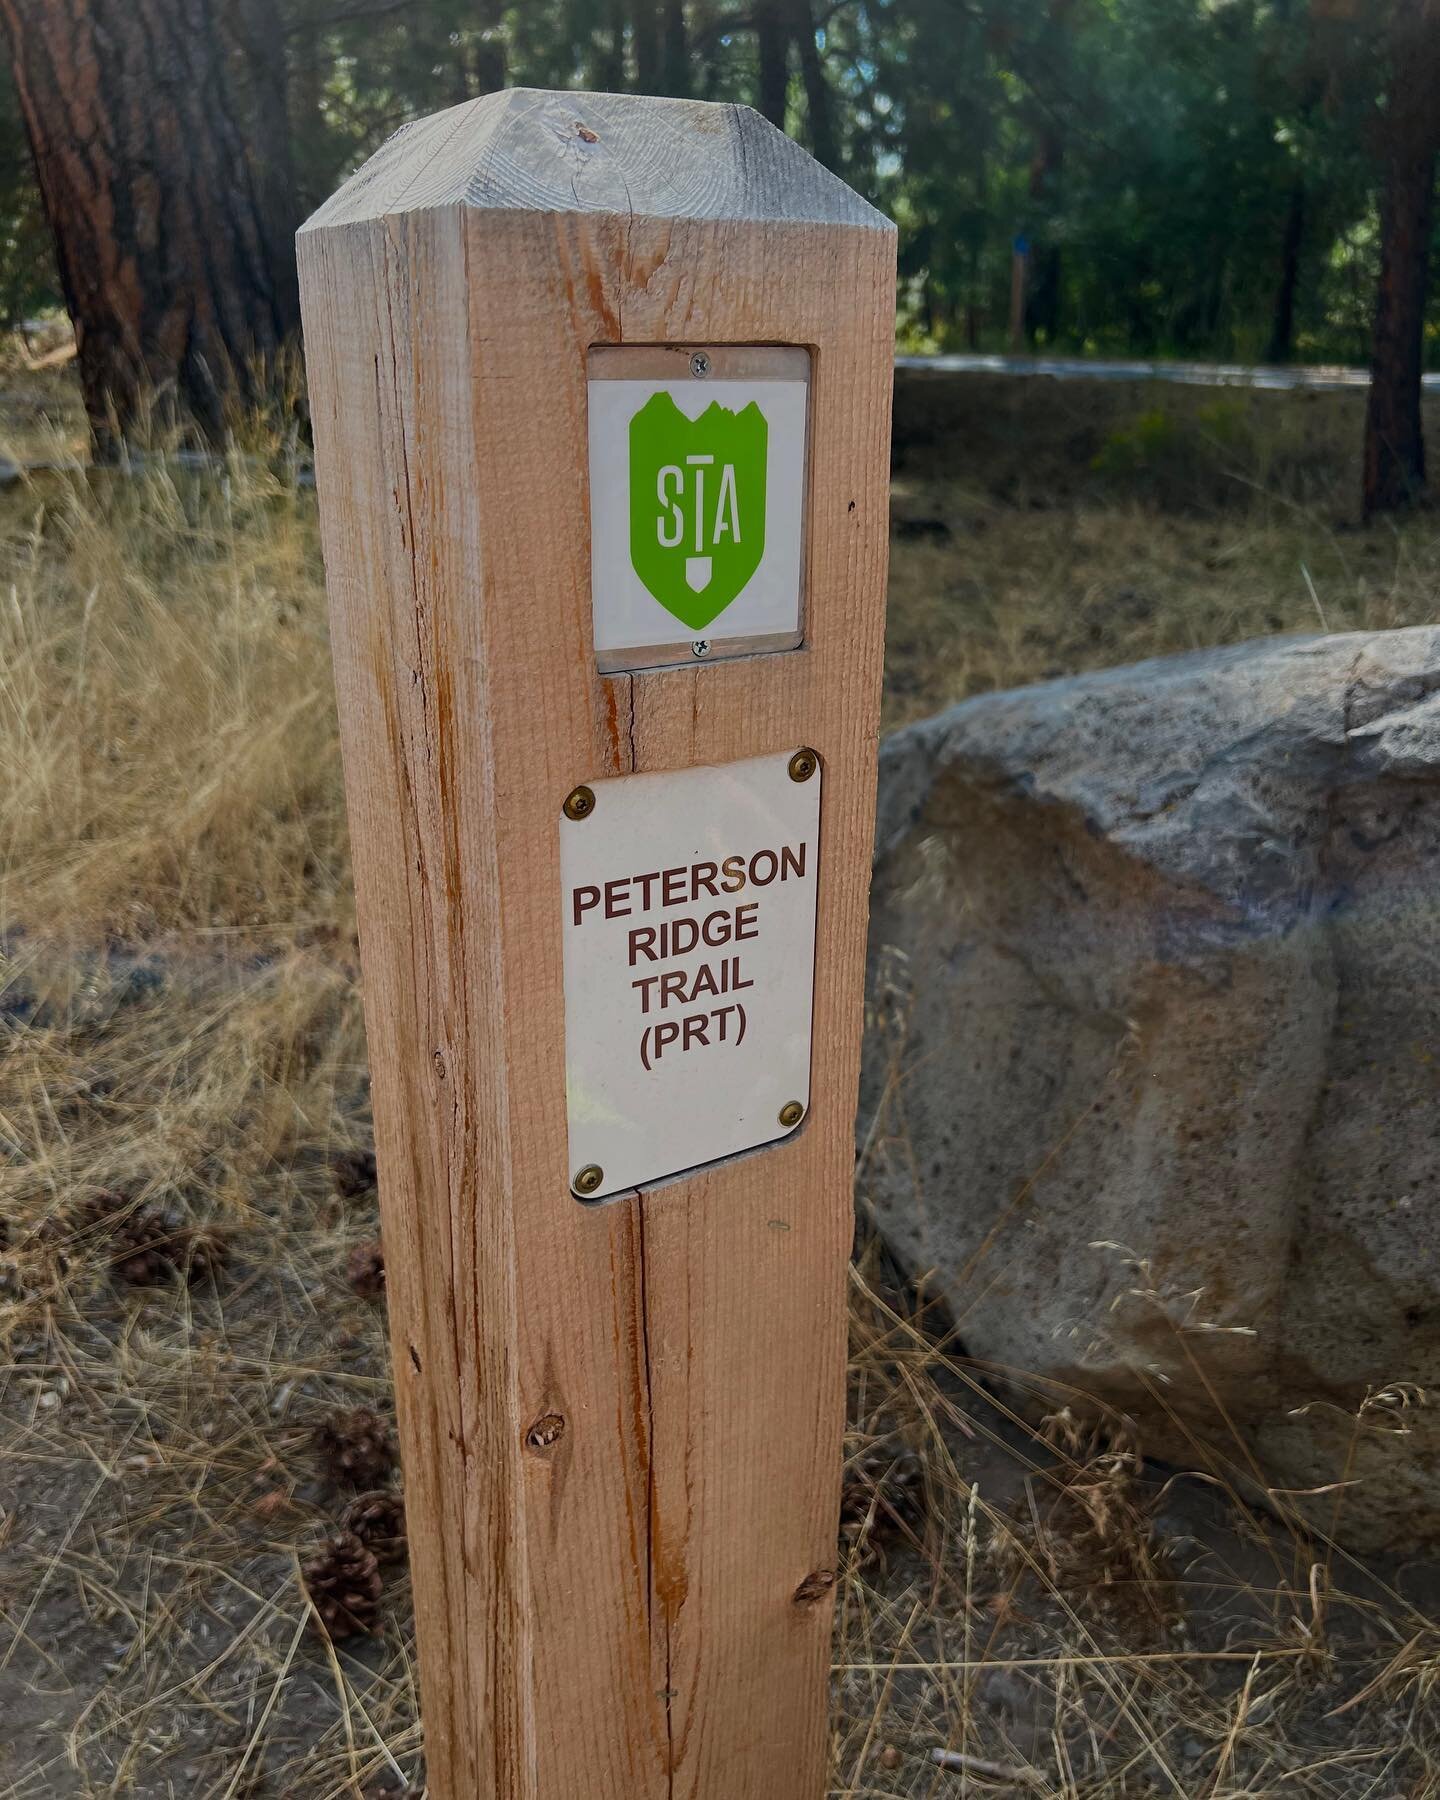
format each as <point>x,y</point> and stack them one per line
<point>697,505</point>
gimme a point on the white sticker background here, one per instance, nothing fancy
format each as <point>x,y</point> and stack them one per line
<point>627,617</point>
<point>648,1097</point>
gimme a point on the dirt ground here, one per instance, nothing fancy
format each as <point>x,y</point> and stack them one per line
<point>190,1315</point>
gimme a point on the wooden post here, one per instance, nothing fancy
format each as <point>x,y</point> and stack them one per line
<point>621,1423</point>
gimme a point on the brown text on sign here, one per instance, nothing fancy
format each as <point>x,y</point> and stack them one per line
<point>655,889</point>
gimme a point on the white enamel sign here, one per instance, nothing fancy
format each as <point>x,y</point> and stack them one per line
<point>689,921</point>
<point>697,500</point>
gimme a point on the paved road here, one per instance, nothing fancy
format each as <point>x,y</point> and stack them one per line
<point>1192,374</point>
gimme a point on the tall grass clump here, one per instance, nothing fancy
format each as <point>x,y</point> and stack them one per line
<point>166,719</point>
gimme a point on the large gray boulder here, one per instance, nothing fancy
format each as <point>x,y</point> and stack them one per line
<point>1152,1090</point>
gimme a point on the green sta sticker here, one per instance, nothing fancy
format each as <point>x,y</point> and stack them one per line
<point>697,504</point>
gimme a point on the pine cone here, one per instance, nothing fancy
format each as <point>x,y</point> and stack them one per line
<point>883,1500</point>
<point>104,1205</point>
<point>343,1582</point>
<point>365,1270</point>
<point>353,1172</point>
<point>148,1250</point>
<point>378,1520</point>
<point>141,1253</point>
<point>356,1449</point>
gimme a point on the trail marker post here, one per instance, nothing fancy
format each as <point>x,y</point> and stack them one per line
<point>601,397</point>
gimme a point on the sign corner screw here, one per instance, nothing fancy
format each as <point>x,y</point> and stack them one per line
<point>803,765</point>
<point>588,1179</point>
<point>579,803</point>
<point>701,647</point>
<point>791,1113</point>
<point>699,365</point>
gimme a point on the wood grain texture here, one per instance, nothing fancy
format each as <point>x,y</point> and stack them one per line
<point>534,151</point>
<point>611,1614</point>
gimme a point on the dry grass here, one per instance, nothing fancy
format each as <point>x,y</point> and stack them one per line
<point>180,1044</point>
<point>1045,528</point>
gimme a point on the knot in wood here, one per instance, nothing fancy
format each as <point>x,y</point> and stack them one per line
<point>546,1432</point>
<point>814,1587</point>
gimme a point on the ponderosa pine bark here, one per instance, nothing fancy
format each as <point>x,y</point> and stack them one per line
<point>159,133</point>
<point>1394,473</point>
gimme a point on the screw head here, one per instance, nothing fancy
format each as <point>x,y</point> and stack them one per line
<point>803,765</point>
<point>699,365</point>
<point>791,1113</point>
<point>579,803</point>
<point>588,1179</point>
<point>701,647</point>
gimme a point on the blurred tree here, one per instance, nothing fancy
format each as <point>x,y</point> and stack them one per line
<point>1410,138</point>
<point>819,111</point>
<point>1192,176</point>
<point>161,147</point>
<point>1296,86</point>
<point>675,49</point>
<point>772,36</point>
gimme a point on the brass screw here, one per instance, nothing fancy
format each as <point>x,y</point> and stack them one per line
<point>579,803</point>
<point>791,1113</point>
<point>588,1179</point>
<point>803,765</point>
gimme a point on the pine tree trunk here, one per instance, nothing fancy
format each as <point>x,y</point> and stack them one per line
<point>675,50</point>
<point>645,35</point>
<point>1394,474</point>
<point>489,61</point>
<point>1042,305</point>
<point>772,32</point>
<point>823,144</point>
<point>1282,331</point>
<point>609,63</point>
<point>161,145</point>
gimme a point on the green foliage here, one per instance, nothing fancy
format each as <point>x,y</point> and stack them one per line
<point>1183,456</point>
<point>28,281</point>
<point>1139,444</point>
<point>1186,176</point>
<point>1193,453</point>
